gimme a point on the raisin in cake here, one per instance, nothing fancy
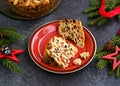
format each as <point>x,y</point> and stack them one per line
<point>72,29</point>
<point>30,8</point>
<point>58,52</point>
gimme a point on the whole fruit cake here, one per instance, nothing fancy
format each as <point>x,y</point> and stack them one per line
<point>31,8</point>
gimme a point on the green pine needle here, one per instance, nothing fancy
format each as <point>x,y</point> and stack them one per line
<point>4,41</point>
<point>118,57</point>
<point>100,49</point>
<point>117,72</point>
<point>93,14</point>
<point>96,18</point>
<point>90,9</point>
<point>110,72</point>
<point>99,55</point>
<point>10,28</point>
<point>101,64</point>
<point>10,35</point>
<point>102,21</point>
<point>116,38</point>
<point>95,2</point>
<point>11,65</point>
<point>116,41</point>
<point>119,17</point>
<point>94,21</point>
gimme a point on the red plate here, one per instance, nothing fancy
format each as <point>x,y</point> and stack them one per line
<point>39,39</point>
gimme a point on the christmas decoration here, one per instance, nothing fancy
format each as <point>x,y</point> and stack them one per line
<point>7,52</point>
<point>109,56</point>
<point>109,14</point>
<point>100,11</point>
<point>8,36</point>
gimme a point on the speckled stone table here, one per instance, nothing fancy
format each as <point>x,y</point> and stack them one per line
<point>32,75</point>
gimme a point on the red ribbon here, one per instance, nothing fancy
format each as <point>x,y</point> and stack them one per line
<point>109,14</point>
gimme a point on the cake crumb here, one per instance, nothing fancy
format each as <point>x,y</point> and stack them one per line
<point>84,55</point>
<point>77,61</point>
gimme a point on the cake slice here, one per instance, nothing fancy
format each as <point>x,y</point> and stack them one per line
<point>72,29</point>
<point>59,52</point>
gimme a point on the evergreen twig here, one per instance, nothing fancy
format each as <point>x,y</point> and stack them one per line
<point>90,9</point>
<point>102,21</point>
<point>10,35</point>
<point>93,11</point>
<point>93,14</point>
<point>94,21</point>
<point>119,17</point>
<point>118,72</point>
<point>102,63</point>
<point>14,37</point>
<point>10,65</point>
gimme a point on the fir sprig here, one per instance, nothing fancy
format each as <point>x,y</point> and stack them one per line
<point>10,65</point>
<point>93,11</point>
<point>118,72</point>
<point>15,35</point>
<point>101,63</point>
<point>10,36</point>
<point>119,17</point>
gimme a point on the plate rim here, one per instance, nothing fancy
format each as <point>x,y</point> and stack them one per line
<point>57,72</point>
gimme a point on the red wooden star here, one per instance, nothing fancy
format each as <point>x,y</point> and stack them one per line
<point>12,56</point>
<point>111,57</point>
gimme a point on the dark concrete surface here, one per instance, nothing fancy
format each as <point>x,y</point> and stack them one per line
<point>32,75</point>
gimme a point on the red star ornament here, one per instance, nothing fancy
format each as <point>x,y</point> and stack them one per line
<point>12,56</point>
<point>110,14</point>
<point>111,57</point>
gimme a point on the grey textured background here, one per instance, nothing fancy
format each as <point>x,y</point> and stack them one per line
<point>32,75</point>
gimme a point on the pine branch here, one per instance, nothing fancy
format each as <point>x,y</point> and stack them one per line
<point>101,64</point>
<point>100,49</point>
<point>110,72</point>
<point>10,65</point>
<point>90,9</point>
<point>94,21</point>
<point>102,21</point>
<point>93,14</point>
<point>95,2</point>
<point>10,28</point>
<point>10,35</point>
<point>14,37</point>
<point>117,73</point>
<point>115,38</point>
<point>118,57</point>
<point>118,2</point>
<point>99,55</point>
<point>116,41</point>
<point>4,41</point>
<point>119,17</point>
<point>110,4</point>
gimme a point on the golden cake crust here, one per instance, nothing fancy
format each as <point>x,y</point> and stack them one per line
<point>31,8</point>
